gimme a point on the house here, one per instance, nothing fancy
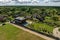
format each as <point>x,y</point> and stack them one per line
<point>20,21</point>
<point>2,18</point>
<point>28,17</point>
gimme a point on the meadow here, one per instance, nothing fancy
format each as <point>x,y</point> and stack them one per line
<point>10,32</point>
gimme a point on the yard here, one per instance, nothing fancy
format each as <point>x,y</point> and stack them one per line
<point>9,32</point>
<point>41,27</point>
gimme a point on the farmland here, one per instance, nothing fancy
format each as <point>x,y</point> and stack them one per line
<point>10,32</point>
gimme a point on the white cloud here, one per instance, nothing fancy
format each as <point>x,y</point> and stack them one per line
<point>28,0</point>
<point>34,2</point>
<point>46,0</point>
<point>0,0</point>
<point>5,0</point>
<point>24,0</point>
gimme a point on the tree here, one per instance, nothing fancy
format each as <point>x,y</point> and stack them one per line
<point>53,12</point>
<point>55,18</point>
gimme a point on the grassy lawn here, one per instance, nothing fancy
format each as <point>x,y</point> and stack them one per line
<point>42,27</point>
<point>9,32</point>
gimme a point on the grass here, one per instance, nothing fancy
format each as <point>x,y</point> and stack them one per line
<point>10,32</point>
<point>42,26</point>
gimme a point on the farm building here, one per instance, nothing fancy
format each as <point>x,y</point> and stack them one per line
<point>20,21</point>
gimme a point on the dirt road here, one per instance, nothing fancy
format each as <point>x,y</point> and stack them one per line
<point>56,33</point>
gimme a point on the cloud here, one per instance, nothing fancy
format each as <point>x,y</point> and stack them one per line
<point>5,0</point>
<point>24,0</point>
<point>46,0</point>
<point>30,2</point>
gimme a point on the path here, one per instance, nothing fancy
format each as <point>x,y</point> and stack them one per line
<point>56,33</point>
<point>35,33</point>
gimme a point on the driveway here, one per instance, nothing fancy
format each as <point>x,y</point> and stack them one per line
<point>56,33</point>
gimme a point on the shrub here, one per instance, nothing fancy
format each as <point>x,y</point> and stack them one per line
<point>59,29</point>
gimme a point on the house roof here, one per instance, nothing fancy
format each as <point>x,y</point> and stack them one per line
<point>20,18</point>
<point>2,17</point>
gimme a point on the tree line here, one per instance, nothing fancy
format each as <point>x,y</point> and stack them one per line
<point>48,15</point>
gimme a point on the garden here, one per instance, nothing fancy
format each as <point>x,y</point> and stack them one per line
<point>41,27</point>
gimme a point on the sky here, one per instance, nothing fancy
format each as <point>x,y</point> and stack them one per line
<point>28,0</point>
<point>33,2</point>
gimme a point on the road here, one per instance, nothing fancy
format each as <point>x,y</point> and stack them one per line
<point>56,33</point>
<point>35,33</point>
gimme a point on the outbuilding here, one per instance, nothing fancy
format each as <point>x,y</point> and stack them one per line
<point>20,21</point>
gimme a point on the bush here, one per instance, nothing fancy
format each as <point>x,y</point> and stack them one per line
<point>59,29</point>
<point>41,27</point>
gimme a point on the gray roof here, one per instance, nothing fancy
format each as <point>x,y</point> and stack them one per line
<point>20,18</point>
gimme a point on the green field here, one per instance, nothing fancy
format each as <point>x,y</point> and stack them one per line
<point>9,32</point>
<point>41,27</point>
